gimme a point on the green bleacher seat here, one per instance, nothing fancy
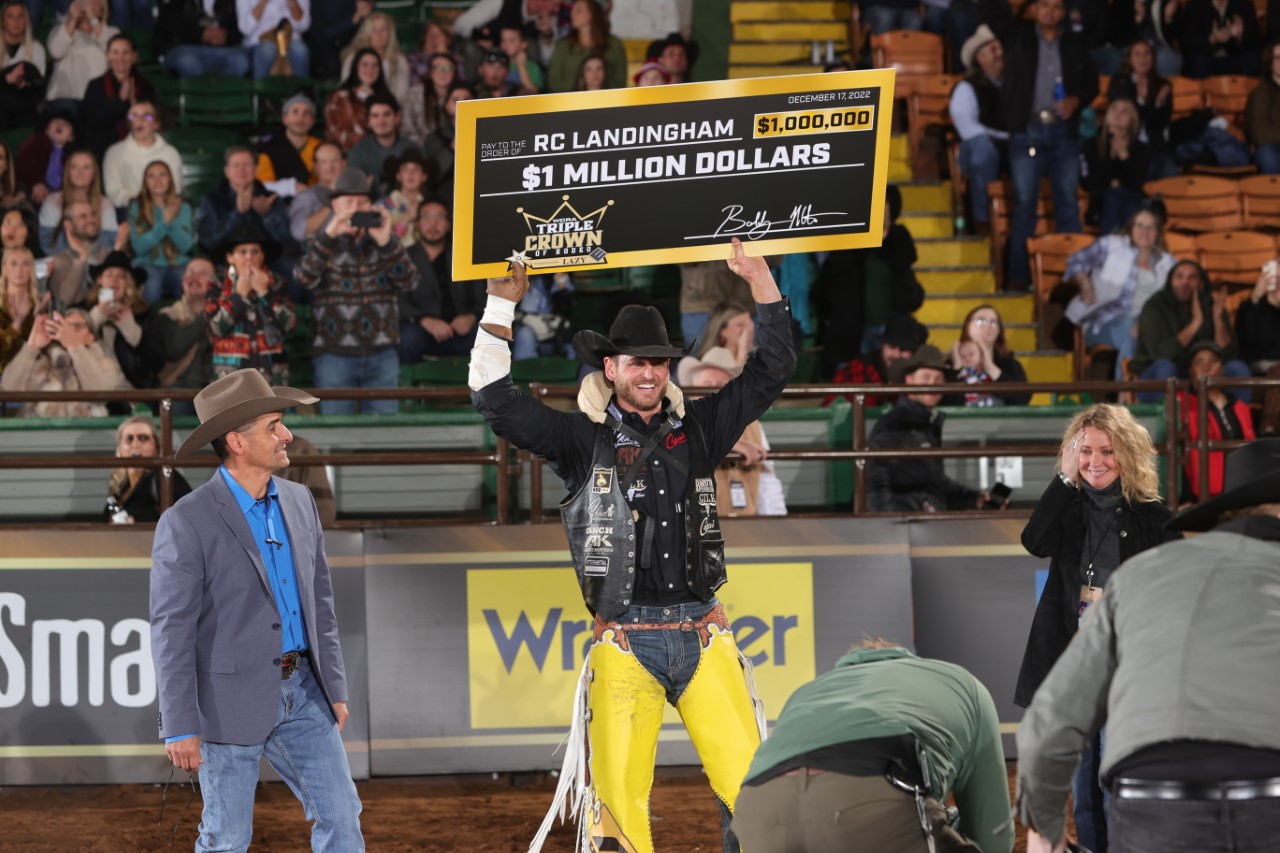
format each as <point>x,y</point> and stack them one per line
<point>549,370</point>
<point>270,93</point>
<point>216,99</point>
<point>409,35</point>
<point>198,141</point>
<point>402,10</point>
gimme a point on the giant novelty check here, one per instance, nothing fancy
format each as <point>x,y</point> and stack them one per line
<point>669,174</point>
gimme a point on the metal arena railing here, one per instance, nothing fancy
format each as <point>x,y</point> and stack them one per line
<point>509,465</point>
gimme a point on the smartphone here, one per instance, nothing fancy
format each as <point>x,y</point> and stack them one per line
<point>366,219</point>
<point>999,494</point>
<point>1271,269</point>
<point>105,295</point>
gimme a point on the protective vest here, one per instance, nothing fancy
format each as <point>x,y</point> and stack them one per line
<point>601,528</point>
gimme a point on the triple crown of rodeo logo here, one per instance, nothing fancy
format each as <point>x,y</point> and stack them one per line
<point>566,238</point>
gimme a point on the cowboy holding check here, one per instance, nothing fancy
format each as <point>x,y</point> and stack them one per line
<point>641,518</point>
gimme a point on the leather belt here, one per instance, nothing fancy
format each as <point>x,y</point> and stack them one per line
<point>1231,790</point>
<point>289,663</point>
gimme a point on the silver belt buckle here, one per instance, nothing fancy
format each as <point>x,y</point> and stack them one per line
<point>1047,117</point>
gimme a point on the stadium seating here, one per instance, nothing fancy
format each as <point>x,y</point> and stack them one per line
<point>1235,257</point>
<point>1260,195</point>
<point>912,53</point>
<point>1199,202</point>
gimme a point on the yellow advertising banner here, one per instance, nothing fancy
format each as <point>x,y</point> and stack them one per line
<point>527,634</point>
<point>669,174</point>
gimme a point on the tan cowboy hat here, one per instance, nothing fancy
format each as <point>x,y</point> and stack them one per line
<point>719,357</point>
<point>233,401</point>
<point>981,37</point>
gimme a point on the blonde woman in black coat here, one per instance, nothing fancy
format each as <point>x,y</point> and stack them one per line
<point>1101,508</point>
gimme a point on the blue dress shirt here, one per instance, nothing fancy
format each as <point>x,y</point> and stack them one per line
<point>266,525</point>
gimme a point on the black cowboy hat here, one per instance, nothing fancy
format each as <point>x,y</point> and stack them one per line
<point>1252,478</point>
<point>410,155</point>
<point>925,356</point>
<point>656,47</point>
<point>639,330</point>
<point>118,260</point>
<point>904,332</point>
<point>247,231</point>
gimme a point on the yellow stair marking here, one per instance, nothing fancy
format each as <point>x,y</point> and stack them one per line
<point>926,198</point>
<point>977,280</point>
<point>743,52</point>
<point>799,31</point>
<point>798,10</point>
<point>924,227</point>
<point>953,253</point>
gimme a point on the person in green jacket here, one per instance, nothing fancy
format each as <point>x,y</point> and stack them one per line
<point>859,752</point>
<point>590,35</point>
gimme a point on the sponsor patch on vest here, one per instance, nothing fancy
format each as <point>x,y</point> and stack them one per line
<point>601,480</point>
<point>596,566</point>
<point>599,509</point>
<point>704,484</point>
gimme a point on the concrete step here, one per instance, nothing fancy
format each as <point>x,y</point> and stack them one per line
<point>751,69</point>
<point>1047,365</point>
<point>805,31</point>
<point>959,279</point>
<point>789,10</point>
<point>1020,336</point>
<point>953,252</point>
<point>774,51</point>
<point>926,197</point>
<point>925,225</point>
<point>952,308</point>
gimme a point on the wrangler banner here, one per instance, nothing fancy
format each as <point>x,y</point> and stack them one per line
<point>668,174</point>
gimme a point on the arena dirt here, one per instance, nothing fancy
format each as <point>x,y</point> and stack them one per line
<point>474,814</point>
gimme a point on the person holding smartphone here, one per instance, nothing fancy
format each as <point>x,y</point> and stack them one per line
<point>355,272</point>
<point>1258,335</point>
<point>1101,508</point>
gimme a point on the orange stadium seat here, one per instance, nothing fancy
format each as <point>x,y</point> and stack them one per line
<point>1181,246</point>
<point>927,106</point>
<point>912,53</point>
<point>1187,96</point>
<point>1100,102</point>
<point>1235,257</point>
<point>1227,95</point>
<point>1049,254</point>
<point>1261,197</point>
<point>1199,202</point>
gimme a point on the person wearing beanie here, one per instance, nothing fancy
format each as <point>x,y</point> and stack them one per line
<point>291,154</point>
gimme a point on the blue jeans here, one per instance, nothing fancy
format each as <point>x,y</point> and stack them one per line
<point>191,60</point>
<point>1119,334</point>
<point>672,657</point>
<point>377,370</point>
<point>263,54</point>
<point>962,21</point>
<point>1163,368</point>
<point>882,19</point>
<point>1108,60</point>
<point>692,325</point>
<point>1168,62</point>
<point>1268,159</point>
<point>1186,826</point>
<point>980,163</point>
<point>132,14</point>
<point>1056,157</point>
<point>306,750</point>
<point>416,343</point>
<point>162,283</point>
<point>1118,204</point>
<point>1091,801</point>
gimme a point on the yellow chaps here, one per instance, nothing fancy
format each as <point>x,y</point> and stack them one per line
<point>625,704</point>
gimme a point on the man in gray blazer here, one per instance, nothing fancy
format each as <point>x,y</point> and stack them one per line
<point>243,631</point>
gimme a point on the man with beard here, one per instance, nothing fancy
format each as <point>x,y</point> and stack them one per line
<point>639,462</point>
<point>69,269</point>
<point>440,315</point>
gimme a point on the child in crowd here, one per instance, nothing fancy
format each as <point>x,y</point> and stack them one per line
<point>971,373</point>
<point>408,174</point>
<point>40,156</point>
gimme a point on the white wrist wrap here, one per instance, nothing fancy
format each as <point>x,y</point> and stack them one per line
<point>490,359</point>
<point>499,312</point>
